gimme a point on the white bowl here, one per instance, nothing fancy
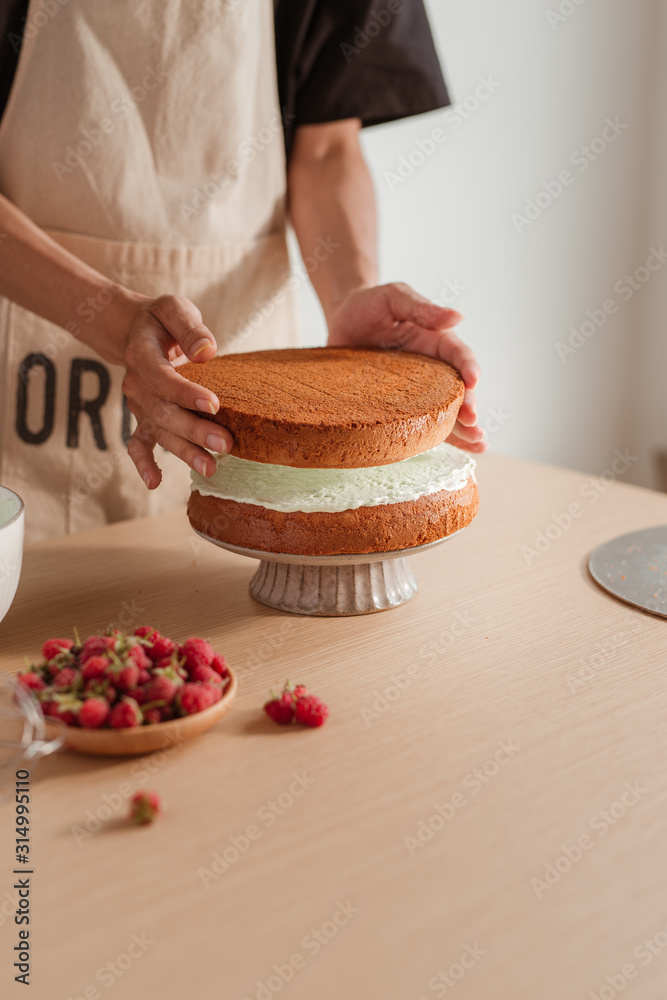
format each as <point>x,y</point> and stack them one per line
<point>12,526</point>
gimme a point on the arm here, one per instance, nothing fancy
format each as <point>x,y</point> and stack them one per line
<point>331,198</point>
<point>146,335</point>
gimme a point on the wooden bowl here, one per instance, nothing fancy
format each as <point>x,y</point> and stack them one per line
<point>146,739</point>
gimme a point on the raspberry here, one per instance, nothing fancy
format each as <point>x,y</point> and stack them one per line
<point>164,664</point>
<point>152,716</point>
<point>300,691</point>
<point>31,680</point>
<point>144,676</point>
<point>94,713</point>
<point>161,689</point>
<point>197,652</point>
<point>95,646</point>
<point>146,632</point>
<point>144,807</point>
<point>281,709</point>
<point>94,667</point>
<point>167,668</point>
<point>310,711</point>
<point>65,678</point>
<point>127,677</point>
<point>65,707</point>
<point>138,693</point>
<point>162,646</point>
<point>125,714</point>
<point>139,657</point>
<point>219,664</point>
<point>193,698</point>
<point>206,675</point>
<point>66,716</point>
<point>52,647</point>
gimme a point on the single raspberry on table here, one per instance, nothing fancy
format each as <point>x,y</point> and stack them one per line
<point>281,709</point>
<point>52,647</point>
<point>125,714</point>
<point>31,680</point>
<point>310,711</point>
<point>94,713</point>
<point>144,807</point>
<point>197,652</point>
<point>193,698</point>
<point>95,667</point>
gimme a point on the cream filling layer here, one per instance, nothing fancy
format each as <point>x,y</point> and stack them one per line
<point>280,487</point>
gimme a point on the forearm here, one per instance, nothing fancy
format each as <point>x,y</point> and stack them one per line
<point>40,275</point>
<point>331,199</point>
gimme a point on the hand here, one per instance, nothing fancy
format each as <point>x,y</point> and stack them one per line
<point>396,316</point>
<point>160,332</point>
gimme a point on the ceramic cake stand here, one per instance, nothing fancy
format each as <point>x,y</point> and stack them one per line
<point>332,585</point>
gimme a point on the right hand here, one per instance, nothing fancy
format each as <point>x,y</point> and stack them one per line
<point>161,331</point>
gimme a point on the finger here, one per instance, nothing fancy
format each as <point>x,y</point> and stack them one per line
<point>183,321</point>
<point>184,424</point>
<point>195,457</point>
<point>457,354</point>
<point>445,346</point>
<point>476,447</point>
<point>470,434</point>
<point>148,366</point>
<point>407,304</point>
<point>467,414</point>
<point>140,449</point>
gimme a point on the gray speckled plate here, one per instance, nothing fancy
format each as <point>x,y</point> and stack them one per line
<point>633,568</point>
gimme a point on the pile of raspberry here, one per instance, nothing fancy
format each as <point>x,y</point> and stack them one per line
<point>296,704</point>
<point>118,681</point>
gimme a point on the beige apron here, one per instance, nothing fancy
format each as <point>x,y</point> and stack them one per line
<point>146,138</point>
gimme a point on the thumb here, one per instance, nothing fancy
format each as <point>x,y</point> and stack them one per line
<point>407,304</point>
<point>183,321</point>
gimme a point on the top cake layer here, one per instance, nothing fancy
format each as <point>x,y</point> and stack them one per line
<point>331,407</point>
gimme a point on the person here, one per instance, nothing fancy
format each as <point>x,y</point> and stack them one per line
<point>150,157</point>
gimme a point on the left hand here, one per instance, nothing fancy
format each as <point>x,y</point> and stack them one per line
<point>397,316</point>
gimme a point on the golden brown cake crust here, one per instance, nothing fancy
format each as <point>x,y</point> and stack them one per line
<point>330,407</point>
<point>385,528</point>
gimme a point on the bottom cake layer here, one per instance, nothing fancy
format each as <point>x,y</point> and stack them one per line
<point>384,528</point>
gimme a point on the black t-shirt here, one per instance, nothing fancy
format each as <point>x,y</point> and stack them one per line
<point>335,59</point>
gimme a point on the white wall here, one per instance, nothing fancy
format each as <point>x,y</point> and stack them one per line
<point>649,338</point>
<point>451,220</point>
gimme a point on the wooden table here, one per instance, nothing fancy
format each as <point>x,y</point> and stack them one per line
<point>484,812</point>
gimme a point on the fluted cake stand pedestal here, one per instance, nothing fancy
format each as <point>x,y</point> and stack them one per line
<point>329,586</point>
